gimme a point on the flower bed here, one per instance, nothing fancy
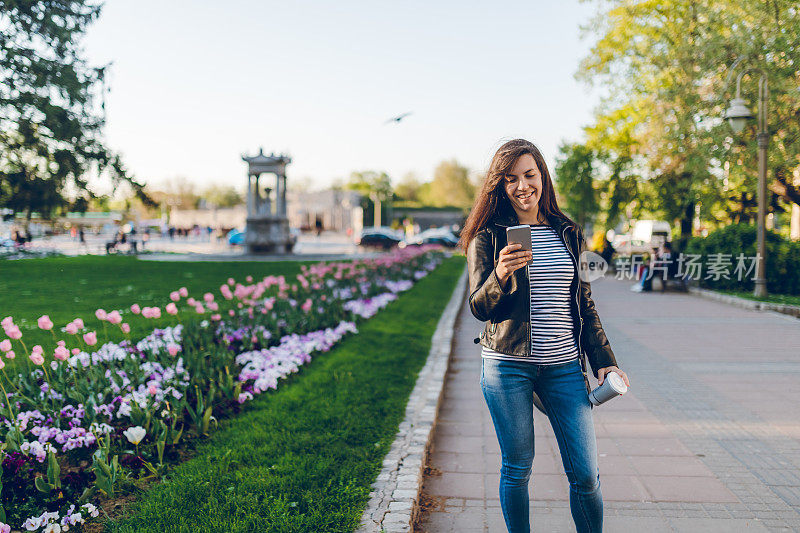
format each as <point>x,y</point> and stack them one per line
<point>82,423</point>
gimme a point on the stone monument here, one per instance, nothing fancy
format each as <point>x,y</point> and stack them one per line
<point>267,223</point>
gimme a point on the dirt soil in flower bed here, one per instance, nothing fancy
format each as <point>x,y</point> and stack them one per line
<point>302,458</point>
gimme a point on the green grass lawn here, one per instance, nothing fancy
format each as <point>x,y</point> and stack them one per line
<point>770,298</point>
<point>68,287</point>
<point>302,457</point>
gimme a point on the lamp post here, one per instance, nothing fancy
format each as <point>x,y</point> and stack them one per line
<point>738,114</point>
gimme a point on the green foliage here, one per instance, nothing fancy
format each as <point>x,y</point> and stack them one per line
<point>370,185</point>
<point>665,66</point>
<point>53,472</point>
<point>106,467</point>
<point>783,275</point>
<point>574,178</point>
<point>222,196</point>
<point>49,122</point>
<point>302,457</point>
<point>450,187</point>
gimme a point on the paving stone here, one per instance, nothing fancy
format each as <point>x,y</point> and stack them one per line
<point>703,441</point>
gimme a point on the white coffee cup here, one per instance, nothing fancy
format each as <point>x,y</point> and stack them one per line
<point>613,386</point>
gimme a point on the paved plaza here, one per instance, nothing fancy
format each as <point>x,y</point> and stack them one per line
<point>708,438</point>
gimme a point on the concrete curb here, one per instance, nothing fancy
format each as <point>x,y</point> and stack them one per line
<point>786,309</point>
<point>394,502</point>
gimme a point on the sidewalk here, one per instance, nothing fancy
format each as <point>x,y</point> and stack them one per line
<point>708,438</point>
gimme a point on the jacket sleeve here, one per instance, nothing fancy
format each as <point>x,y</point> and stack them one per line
<point>485,292</point>
<point>593,337</point>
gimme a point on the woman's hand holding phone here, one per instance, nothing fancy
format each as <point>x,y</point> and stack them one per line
<point>511,259</point>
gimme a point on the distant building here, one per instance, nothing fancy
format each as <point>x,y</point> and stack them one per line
<point>431,217</point>
<point>337,210</point>
<point>227,218</point>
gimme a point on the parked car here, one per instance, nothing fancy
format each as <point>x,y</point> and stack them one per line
<point>379,237</point>
<point>442,236</point>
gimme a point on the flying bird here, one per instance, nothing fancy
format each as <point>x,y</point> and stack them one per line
<point>398,118</point>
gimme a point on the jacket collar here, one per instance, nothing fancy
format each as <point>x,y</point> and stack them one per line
<point>508,217</point>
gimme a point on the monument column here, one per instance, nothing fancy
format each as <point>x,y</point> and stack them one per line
<point>249,195</point>
<point>267,229</point>
<point>283,193</point>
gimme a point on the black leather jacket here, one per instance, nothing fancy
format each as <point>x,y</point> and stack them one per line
<point>507,311</point>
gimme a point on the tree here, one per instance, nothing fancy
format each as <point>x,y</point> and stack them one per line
<point>451,186</point>
<point>371,185</point>
<point>665,64</point>
<point>408,188</point>
<point>222,196</point>
<point>574,177</point>
<point>49,125</point>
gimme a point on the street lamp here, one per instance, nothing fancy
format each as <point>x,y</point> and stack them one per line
<point>738,114</point>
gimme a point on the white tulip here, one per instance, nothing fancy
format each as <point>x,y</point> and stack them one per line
<point>135,434</point>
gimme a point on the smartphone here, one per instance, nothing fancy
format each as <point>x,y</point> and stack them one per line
<point>522,235</point>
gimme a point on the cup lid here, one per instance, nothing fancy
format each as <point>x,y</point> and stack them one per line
<point>617,382</point>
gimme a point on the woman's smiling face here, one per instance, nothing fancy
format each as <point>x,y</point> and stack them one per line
<point>523,185</point>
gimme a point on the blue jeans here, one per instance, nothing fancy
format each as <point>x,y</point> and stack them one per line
<point>508,388</point>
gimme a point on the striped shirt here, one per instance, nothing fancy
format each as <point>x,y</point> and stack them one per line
<point>550,275</point>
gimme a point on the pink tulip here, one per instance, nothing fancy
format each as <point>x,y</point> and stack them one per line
<point>7,322</point>
<point>114,317</point>
<point>199,308</point>
<point>10,354</point>
<point>76,351</point>
<point>216,317</point>
<point>306,307</point>
<point>37,349</point>
<point>71,328</point>
<point>125,327</point>
<point>61,343</point>
<point>172,309</point>
<point>191,301</point>
<point>231,312</point>
<point>249,279</point>
<point>231,281</point>
<point>135,309</point>
<point>100,314</point>
<point>208,297</point>
<point>37,359</point>
<point>183,291</point>
<point>173,349</point>
<point>2,364</point>
<point>79,322</point>
<point>90,338</point>
<point>174,296</point>
<point>5,345</point>
<point>213,306</point>
<point>152,390</point>
<point>155,312</point>
<point>14,333</point>
<point>45,323</point>
<point>61,353</point>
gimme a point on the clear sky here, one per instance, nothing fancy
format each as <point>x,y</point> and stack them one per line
<point>194,85</point>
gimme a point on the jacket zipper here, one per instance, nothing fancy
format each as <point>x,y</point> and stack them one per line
<point>530,310</point>
<point>577,298</point>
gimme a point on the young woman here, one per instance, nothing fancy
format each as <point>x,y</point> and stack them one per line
<point>540,322</point>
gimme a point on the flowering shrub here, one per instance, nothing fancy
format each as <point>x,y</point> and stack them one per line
<point>83,421</point>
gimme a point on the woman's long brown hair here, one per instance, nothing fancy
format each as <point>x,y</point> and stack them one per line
<point>492,197</point>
